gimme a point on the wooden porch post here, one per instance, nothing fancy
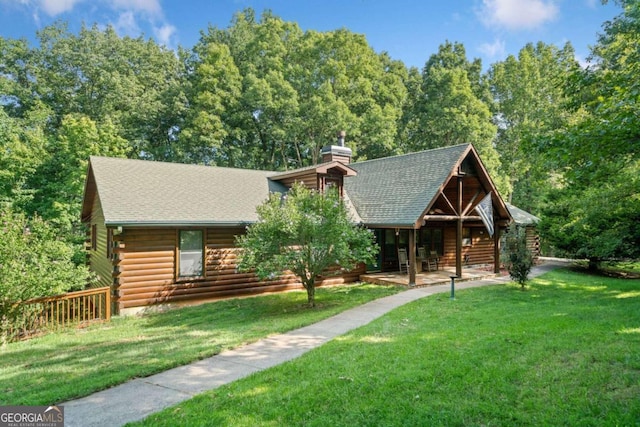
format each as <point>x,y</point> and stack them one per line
<point>459,229</point>
<point>496,247</point>
<point>412,257</point>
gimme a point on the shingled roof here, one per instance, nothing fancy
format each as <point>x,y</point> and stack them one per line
<point>522,217</point>
<point>391,191</point>
<point>137,192</point>
<point>394,191</point>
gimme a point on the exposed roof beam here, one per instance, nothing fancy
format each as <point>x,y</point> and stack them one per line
<point>451,217</point>
<point>473,199</point>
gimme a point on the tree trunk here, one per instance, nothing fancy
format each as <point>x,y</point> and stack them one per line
<point>311,292</point>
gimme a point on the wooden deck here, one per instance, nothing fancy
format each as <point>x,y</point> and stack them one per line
<point>426,278</point>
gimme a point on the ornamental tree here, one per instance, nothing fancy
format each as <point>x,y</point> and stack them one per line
<point>517,256</point>
<point>308,233</point>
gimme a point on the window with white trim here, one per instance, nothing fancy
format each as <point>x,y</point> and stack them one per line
<point>190,254</point>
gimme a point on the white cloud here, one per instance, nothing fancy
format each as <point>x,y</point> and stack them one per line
<point>127,24</point>
<point>518,14</point>
<point>164,34</point>
<point>592,4</point>
<point>584,63</point>
<point>50,7</point>
<point>150,7</point>
<point>128,17</point>
<point>493,50</point>
<point>149,11</point>
<point>587,62</point>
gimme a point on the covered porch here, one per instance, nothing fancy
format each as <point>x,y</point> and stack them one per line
<point>429,278</point>
<point>438,204</point>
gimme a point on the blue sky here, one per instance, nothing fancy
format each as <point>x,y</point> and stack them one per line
<point>410,30</point>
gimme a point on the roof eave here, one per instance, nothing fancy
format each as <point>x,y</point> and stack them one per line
<point>178,223</point>
<point>408,226</point>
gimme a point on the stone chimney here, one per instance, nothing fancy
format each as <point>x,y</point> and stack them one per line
<point>337,152</point>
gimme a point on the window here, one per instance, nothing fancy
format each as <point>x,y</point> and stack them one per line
<point>466,236</point>
<point>390,251</point>
<point>431,239</point>
<point>191,254</point>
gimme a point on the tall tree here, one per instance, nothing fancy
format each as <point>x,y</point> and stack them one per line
<point>133,83</point>
<point>451,110</point>
<point>341,75</point>
<point>299,88</point>
<point>213,97</point>
<point>530,105</point>
<point>74,95</point>
<point>596,211</point>
<point>22,151</point>
<point>59,180</point>
<point>409,124</point>
<point>267,105</point>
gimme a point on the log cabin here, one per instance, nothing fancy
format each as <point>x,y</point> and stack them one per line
<point>524,219</point>
<point>164,232</point>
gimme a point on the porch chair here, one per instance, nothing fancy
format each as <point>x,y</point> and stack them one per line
<point>403,261</point>
<point>433,261</point>
<point>422,257</point>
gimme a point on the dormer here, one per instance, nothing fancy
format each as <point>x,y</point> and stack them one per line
<point>329,173</point>
<point>318,177</point>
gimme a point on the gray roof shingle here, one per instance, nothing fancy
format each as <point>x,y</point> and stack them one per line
<point>396,190</point>
<point>158,193</point>
<point>391,191</point>
<point>520,216</point>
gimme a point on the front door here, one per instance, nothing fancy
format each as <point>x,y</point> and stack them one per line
<point>390,240</point>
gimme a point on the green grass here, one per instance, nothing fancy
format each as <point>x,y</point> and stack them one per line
<point>74,363</point>
<point>564,352</point>
<point>624,268</point>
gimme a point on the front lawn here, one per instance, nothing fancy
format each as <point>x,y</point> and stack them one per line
<point>564,352</point>
<point>74,363</point>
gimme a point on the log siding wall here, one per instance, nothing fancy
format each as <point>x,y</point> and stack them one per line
<point>533,241</point>
<point>309,179</point>
<point>97,258</point>
<point>479,252</point>
<point>146,262</point>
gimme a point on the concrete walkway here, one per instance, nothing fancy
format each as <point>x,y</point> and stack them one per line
<point>139,398</point>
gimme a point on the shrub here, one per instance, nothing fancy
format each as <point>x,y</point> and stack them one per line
<point>518,258</point>
<point>34,262</point>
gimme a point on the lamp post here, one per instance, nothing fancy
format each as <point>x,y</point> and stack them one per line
<point>453,286</point>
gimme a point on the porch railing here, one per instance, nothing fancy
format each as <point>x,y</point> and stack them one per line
<point>72,309</point>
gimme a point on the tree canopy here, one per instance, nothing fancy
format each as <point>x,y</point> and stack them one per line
<point>557,139</point>
<point>594,211</point>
